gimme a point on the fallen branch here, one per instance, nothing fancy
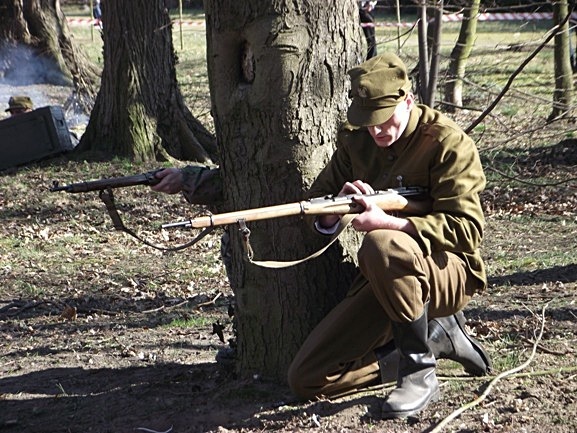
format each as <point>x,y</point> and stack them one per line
<point>550,372</point>
<point>17,307</point>
<point>497,378</point>
<point>545,349</point>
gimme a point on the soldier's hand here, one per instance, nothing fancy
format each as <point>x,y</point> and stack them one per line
<point>374,218</point>
<point>356,187</point>
<point>171,181</point>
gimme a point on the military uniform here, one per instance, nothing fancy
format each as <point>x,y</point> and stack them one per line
<point>436,271</point>
<point>433,153</point>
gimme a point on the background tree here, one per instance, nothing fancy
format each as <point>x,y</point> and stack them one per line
<point>563,93</point>
<point>139,112</point>
<point>422,84</point>
<point>434,45</point>
<point>459,56</point>
<point>277,72</point>
<point>36,47</point>
<point>429,34</point>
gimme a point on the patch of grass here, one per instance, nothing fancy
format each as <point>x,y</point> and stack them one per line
<point>509,111</point>
<point>528,244</point>
<point>26,289</point>
<point>507,361</point>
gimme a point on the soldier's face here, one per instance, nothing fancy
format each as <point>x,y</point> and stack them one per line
<point>387,133</point>
<point>18,111</point>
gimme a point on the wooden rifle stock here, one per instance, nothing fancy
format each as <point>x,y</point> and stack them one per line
<point>393,200</point>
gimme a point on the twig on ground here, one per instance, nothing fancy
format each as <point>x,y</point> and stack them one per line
<point>204,304</point>
<point>144,429</point>
<point>164,307</point>
<point>545,350</point>
<point>485,393</point>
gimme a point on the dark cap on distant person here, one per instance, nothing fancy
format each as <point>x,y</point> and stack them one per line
<point>377,87</point>
<point>20,103</point>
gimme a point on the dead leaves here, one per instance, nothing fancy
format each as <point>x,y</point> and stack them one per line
<point>507,201</point>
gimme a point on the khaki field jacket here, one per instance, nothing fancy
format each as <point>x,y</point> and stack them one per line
<point>433,153</point>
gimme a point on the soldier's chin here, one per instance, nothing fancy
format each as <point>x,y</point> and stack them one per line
<point>384,141</point>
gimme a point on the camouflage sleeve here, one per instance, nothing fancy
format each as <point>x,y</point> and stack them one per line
<point>202,184</point>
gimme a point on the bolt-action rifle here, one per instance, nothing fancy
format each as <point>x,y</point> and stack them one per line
<point>148,178</point>
<point>105,187</point>
<point>404,200</point>
<point>391,200</point>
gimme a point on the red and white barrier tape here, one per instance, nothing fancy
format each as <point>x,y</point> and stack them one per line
<point>90,21</point>
<point>495,16</point>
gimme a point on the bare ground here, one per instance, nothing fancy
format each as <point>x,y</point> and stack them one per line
<point>101,334</point>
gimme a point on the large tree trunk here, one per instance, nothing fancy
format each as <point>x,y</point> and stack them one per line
<point>139,112</point>
<point>563,93</point>
<point>36,47</point>
<point>277,72</point>
<point>460,55</point>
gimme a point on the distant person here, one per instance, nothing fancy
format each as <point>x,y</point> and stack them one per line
<point>97,13</point>
<point>19,105</point>
<point>23,104</point>
<point>368,25</point>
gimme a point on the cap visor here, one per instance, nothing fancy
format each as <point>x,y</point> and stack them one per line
<point>361,116</point>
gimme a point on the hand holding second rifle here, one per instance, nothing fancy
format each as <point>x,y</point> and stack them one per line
<point>171,181</point>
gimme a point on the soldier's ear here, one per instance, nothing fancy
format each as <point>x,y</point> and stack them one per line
<point>410,100</point>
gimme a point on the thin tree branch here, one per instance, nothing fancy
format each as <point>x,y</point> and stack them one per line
<point>526,182</point>
<point>554,30</point>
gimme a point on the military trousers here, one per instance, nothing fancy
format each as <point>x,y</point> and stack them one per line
<point>395,282</point>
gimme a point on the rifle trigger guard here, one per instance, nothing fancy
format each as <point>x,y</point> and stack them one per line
<point>245,232</point>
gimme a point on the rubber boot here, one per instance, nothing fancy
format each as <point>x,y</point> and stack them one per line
<point>448,339</point>
<point>417,384</point>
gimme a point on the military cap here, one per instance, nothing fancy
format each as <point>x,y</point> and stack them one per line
<point>377,87</point>
<point>20,103</point>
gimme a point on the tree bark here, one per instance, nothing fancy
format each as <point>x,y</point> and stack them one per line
<point>422,89</point>
<point>563,93</point>
<point>36,47</point>
<point>460,55</point>
<point>435,47</point>
<point>277,73</point>
<point>139,112</point>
